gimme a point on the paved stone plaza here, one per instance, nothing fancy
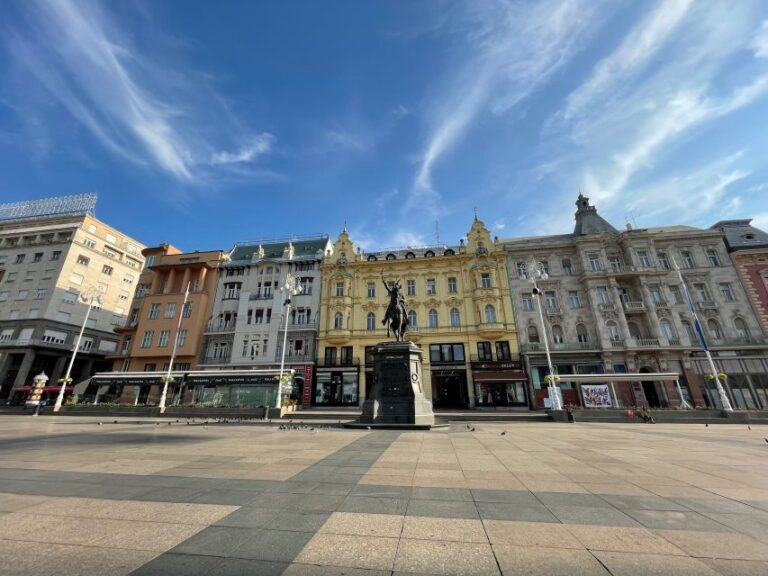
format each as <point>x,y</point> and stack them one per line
<point>79,498</point>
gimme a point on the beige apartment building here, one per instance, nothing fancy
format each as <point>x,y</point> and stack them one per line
<point>146,340</point>
<point>53,254</point>
<point>459,312</point>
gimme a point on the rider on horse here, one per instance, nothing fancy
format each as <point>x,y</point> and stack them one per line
<point>396,317</point>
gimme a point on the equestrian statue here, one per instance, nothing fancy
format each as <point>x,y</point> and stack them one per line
<point>396,317</point>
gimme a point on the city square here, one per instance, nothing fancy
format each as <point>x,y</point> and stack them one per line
<point>148,497</point>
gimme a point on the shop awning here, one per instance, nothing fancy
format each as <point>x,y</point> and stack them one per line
<point>46,389</point>
<point>498,376</point>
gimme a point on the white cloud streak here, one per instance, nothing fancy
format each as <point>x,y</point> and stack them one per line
<point>515,47</point>
<point>77,53</point>
<point>260,144</point>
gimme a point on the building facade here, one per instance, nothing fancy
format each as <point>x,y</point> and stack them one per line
<point>748,249</point>
<point>247,325</point>
<point>146,340</point>
<point>459,312</point>
<point>52,252</point>
<point>613,303</point>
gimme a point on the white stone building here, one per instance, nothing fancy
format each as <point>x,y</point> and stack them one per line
<point>52,251</point>
<point>247,323</point>
<point>613,303</point>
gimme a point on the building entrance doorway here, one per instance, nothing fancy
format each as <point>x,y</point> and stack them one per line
<point>449,389</point>
<point>650,390</point>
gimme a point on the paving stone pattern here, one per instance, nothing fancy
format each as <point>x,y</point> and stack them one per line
<point>147,498</point>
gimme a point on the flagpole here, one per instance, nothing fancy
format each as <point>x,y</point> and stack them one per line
<point>168,378</point>
<point>726,403</point>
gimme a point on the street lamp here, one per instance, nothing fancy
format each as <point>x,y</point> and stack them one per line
<point>92,298</point>
<point>290,288</point>
<point>534,270</point>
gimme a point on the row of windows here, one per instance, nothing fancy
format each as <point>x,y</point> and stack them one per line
<point>411,255</point>
<point>614,264</point>
<point>170,310</point>
<point>33,239</point>
<point>413,321</point>
<point>36,257</point>
<point>700,293</point>
<point>164,337</point>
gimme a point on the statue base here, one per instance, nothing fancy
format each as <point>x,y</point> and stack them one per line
<point>397,397</point>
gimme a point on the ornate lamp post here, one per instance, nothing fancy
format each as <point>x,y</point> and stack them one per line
<point>535,270</point>
<point>92,298</point>
<point>290,288</point>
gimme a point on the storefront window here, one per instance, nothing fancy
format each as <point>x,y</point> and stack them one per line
<point>336,388</point>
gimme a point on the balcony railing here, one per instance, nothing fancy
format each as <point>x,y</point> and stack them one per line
<point>262,296</point>
<point>558,347</point>
<point>331,362</point>
<point>740,341</point>
<point>553,310</point>
<point>634,306</point>
<point>299,325</point>
<point>617,343</point>
<point>706,305</point>
<point>220,327</point>
<point>660,303</point>
<point>643,343</point>
<point>216,359</point>
<point>605,307</point>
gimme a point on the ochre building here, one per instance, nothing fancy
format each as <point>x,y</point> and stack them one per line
<point>459,311</point>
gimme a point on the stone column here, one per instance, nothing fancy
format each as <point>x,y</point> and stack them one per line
<point>185,279</point>
<point>169,281</point>
<point>26,366</point>
<point>58,370</point>
<point>619,309</point>
<point>651,311</point>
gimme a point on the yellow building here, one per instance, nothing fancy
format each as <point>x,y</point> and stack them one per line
<point>459,310</point>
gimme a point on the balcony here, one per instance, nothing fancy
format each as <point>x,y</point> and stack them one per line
<point>616,343</point>
<point>739,341</point>
<point>706,305</point>
<point>643,343</point>
<point>262,296</point>
<point>216,359</point>
<point>293,326</point>
<point>333,362</point>
<point>559,347</point>
<point>604,307</point>
<point>338,336</point>
<point>491,330</point>
<point>219,327</point>
<point>553,310</point>
<point>661,303</point>
<point>634,306</point>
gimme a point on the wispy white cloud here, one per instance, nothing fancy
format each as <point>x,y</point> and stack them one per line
<point>513,49</point>
<point>680,69</point>
<point>259,145</point>
<point>635,52</point>
<point>87,63</point>
<point>760,42</point>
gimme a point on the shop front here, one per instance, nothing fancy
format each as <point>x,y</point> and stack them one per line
<point>499,384</point>
<point>449,386</point>
<point>337,386</point>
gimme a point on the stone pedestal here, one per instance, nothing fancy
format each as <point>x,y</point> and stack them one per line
<point>397,397</point>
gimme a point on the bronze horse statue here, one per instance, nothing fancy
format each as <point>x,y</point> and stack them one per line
<point>396,317</point>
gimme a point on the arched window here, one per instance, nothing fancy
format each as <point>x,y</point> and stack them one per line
<point>581,333</point>
<point>714,329</point>
<point>391,257</point>
<point>667,329</point>
<point>409,255</point>
<point>557,334</point>
<point>338,321</point>
<point>372,258</point>
<point>413,320</point>
<point>429,254</point>
<point>613,330</point>
<point>449,252</point>
<point>455,317</point>
<point>689,331</point>
<point>490,314</point>
<point>432,318</point>
<point>533,335</point>
<point>742,330</point>
<point>370,321</point>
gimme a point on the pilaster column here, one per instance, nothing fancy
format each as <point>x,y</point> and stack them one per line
<point>619,309</point>
<point>185,279</point>
<point>58,370</point>
<point>26,365</point>
<point>169,281</point>
<point>651,311</point>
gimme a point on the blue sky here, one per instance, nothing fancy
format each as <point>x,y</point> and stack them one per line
<point>203,124</point>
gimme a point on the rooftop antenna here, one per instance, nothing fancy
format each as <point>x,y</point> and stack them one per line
<point>475,209</point>
<point>437,232</point>
<point>629,217</point>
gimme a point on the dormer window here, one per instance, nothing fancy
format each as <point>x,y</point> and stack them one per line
<point>409,255</point>
<point>391,257</point>
<point>429,254</point>
<point>449,252</point>
<point>372,258</point>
